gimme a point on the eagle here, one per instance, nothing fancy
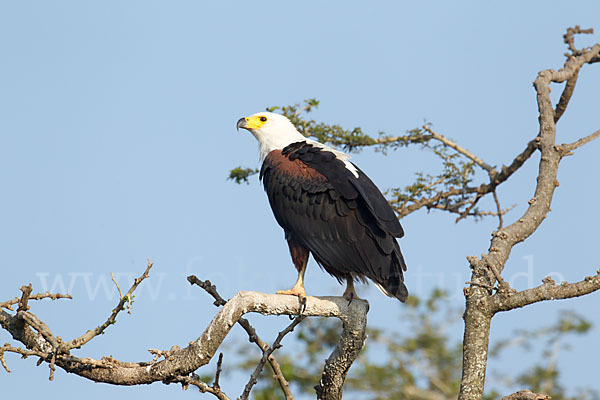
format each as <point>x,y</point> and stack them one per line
<point>327,207</point>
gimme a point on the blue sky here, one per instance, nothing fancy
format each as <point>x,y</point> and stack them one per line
<point>117,131</point>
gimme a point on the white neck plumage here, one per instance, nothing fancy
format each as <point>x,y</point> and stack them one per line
<point>279,133</point>
<point>268,143</point>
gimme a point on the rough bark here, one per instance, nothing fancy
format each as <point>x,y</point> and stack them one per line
<point>179,363</point>
<point>526,395</point>
<point>475,348</point>
<point>480,303</point>
<point>487,294</point>
<point>548,290</point>
<point>339,362</point>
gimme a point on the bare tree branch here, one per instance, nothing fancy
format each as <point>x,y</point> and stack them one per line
<point>565,96</point>
<point>568,148</point>
<point>195,380</point>
<point>218,372</point>
<point>17,350</point>
<point>496,178</point>
<point>526,395</point>
<point>252,335</point>
<point>569,39</point>
<point>478,314</point>
<point>26,291</point>
<point>458,195</point>
<point>182,362</point>
<point>517,162</point>
<point>468,210</point>
<point>458,148</point>
<point>338,364</point>
<point>266,354</point>
<point>499,209</point>
<point>547,291</point>
<point>38,296</point>
<point>89,335</point>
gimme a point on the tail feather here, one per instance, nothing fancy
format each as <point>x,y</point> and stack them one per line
<point>395,289</point>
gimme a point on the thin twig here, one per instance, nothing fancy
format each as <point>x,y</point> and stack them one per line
<point>194,380</point>
<point>38,296</point>
<point>458,148</point>
<point>467,210</point>
<point>3,361</point>
<point>569,38</point>
<point>578,143</point>
<point>495,180</point>
<point>499,208</point>
<point>112,276</point>
<point>384,140</point>
<point>565,96</point>
<point>454,210</point>
<point>23,352</point>
<point>128,296</point>
<point>52,366</point>
<point>267,353</point>
<point>218,373</point>
<point>496,213</point>
<point>548,290</point>
<point>209,288</point>
<point>414,195</point>
<point>86,337</point>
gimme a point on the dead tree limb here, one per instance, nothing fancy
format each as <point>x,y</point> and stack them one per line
<point>479,310</point>
<point>266,354</point>
<point>548,290</point>
<point>252,335</point>
<point>181,363</point>
<point>338,364</point>
<point>526,395</point>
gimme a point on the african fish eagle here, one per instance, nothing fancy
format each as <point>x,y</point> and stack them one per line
<point>328,208</point>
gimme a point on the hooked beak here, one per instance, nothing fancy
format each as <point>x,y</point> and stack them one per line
<point>242,123</point>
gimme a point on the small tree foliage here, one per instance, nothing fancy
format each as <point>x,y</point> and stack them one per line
<point>450,189</point>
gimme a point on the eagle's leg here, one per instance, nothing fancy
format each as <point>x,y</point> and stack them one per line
<point>300,258</point>
<point>298,288</point>
<point>350,293</point>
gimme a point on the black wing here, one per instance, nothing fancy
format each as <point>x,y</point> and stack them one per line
<point>344,221</point>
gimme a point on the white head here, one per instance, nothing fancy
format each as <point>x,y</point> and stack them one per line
<point>273,131</point>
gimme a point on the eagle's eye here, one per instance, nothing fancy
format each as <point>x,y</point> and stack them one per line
<point>263,119</point>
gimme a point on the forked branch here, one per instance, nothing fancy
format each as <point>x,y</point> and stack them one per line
<point>181,363</point>
<point>481,305</point>
<point>252,335</point>
<point>125,300</point>
<point>548,290</point>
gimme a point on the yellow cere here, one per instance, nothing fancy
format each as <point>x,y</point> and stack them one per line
<point>255,121</point>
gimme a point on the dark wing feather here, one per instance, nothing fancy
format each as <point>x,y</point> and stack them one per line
<point>344,221</point>
<point>377,204</point>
